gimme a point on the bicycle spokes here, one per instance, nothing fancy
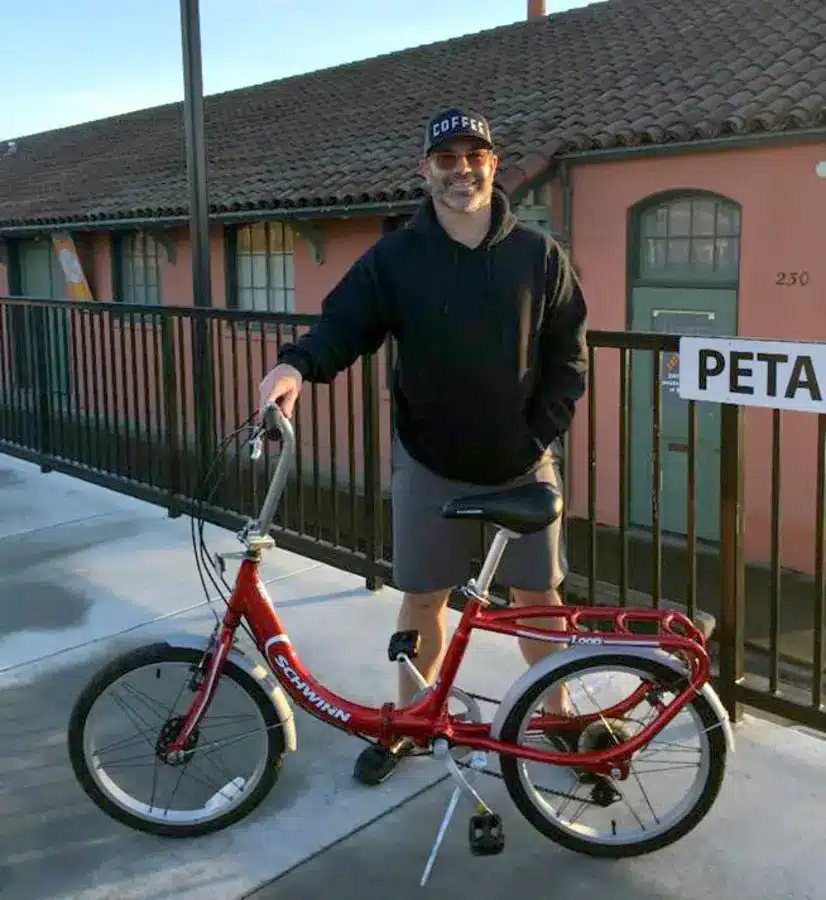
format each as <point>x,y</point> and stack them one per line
<point>136,721</point>
<point>664,777</point>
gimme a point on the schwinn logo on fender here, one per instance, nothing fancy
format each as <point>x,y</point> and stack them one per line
<point>315,699</point>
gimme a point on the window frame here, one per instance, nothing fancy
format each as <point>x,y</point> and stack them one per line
<point>285,290</point>
<point>687,276</point>
<point>123,260</point>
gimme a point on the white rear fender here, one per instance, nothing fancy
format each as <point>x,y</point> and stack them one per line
<point>256,671</point>
<point>556,661</point>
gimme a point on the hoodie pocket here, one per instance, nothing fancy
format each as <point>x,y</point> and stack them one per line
<point>528,449</point>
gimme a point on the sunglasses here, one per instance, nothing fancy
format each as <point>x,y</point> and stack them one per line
<point>449,159</point>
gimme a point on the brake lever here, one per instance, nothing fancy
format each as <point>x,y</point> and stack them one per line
<point>256,444</point>
<point>266,427</point>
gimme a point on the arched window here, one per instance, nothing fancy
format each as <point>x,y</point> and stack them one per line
<point>693,239</point>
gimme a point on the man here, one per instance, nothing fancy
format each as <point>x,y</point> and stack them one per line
<point>490,324</point>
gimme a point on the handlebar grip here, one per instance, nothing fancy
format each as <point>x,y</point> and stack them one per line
<point>273,417</point>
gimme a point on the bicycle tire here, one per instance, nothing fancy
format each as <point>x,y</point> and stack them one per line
<point>153,655</point>
<point>692,818</point>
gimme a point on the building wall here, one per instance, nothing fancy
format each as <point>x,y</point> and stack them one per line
<point>783,221</point>
<point>99,268</point>
<point>783,228</point>
<point>239,359</point>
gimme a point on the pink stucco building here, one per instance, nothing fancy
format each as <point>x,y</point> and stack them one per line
<point>671,147</point>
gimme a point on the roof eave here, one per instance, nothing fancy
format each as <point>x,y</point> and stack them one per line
<point>697,145</point>
<point>225,217</point>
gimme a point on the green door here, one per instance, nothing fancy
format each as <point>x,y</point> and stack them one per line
<point>685,272</point>
<point>676,311</point>
<point>45,335</point>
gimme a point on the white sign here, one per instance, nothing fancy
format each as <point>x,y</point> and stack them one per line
<point>745,372</point>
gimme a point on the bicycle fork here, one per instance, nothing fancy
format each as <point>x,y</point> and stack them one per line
<point>206,681</point>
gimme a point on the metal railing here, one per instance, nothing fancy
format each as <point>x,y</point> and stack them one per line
<point>113,393</point>
<point>119,395</point>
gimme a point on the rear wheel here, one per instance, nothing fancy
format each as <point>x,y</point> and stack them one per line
<point>564,804</point>
<point>132,778</point>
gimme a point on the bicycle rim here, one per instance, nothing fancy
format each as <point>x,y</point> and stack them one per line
<point>125,719</point>
<point>688,754</point>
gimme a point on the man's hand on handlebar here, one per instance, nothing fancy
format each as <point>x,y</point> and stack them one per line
<point>278,393</point>
<point>281,385</point>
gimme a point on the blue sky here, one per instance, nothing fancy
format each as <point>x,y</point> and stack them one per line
<point>92,58</point>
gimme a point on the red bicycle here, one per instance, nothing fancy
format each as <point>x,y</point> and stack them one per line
<point>651,668</point>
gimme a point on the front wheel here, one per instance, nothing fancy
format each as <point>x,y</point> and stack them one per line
<point>147,692</point>
<point>567,804</point>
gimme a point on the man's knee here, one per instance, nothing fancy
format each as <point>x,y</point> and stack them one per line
<point>522,597</point>
<point>426,602</point>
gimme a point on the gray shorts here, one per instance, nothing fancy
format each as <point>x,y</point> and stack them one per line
<point>431,553</point>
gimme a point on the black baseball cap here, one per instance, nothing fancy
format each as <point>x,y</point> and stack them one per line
<point>453,123</point>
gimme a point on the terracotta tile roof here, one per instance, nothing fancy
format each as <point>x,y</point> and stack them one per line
<point>617,73</point>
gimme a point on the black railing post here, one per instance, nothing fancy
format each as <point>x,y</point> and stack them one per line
<point>372,471</point>
<point>732,566</point>
<point>169,366</point>
<point>819,621</point>
<point>41,372</point>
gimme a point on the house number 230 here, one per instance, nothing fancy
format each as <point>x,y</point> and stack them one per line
<point>792,279</point>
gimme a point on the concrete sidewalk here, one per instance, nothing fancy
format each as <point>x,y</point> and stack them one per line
<point>85,572</point>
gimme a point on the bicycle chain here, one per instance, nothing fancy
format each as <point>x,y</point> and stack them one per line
<point>539,790</point>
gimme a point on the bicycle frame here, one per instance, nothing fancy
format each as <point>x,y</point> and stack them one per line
<point>428,718</point>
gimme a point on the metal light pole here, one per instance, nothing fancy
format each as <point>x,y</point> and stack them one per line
<point>198,218</point>
<point>196,152</point>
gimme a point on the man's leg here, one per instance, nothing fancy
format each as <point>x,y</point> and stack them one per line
<point>429,552</point>
<point>535,566</point>
<point>427,614</point>
<point>534,651</point>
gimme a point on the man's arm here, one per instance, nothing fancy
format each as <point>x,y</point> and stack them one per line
<point>354,322</point>
<point>563,352</point>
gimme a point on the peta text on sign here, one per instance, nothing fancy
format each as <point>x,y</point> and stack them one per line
<point>746,372</point>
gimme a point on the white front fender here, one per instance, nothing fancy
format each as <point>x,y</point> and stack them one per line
<point>562,658</point>
<point>255,670</point>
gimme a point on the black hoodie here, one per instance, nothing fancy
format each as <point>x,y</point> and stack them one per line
<point>491,341</point>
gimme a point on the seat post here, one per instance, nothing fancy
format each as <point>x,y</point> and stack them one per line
<point>492,560</point>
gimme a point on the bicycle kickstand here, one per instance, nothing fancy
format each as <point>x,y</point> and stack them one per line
<point>486,834</point>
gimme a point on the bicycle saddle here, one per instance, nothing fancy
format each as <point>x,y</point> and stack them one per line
<point>522,509</point>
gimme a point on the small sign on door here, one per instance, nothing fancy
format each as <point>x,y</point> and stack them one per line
<point>678,321</point>
<point>746,372</point>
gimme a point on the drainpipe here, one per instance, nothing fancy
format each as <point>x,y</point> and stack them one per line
<point>568,241</point>
<point>567,205</point>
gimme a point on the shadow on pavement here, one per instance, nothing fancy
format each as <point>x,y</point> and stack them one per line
<point>55,842</point>
<point>388,858</point>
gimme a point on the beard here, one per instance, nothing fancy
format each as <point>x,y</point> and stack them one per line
<point>463,193</point>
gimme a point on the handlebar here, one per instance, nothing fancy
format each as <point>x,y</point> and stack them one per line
<point>275,425</point>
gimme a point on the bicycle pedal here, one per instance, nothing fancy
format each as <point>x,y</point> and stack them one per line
<point>487,836</point>
<point>404,642</point>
